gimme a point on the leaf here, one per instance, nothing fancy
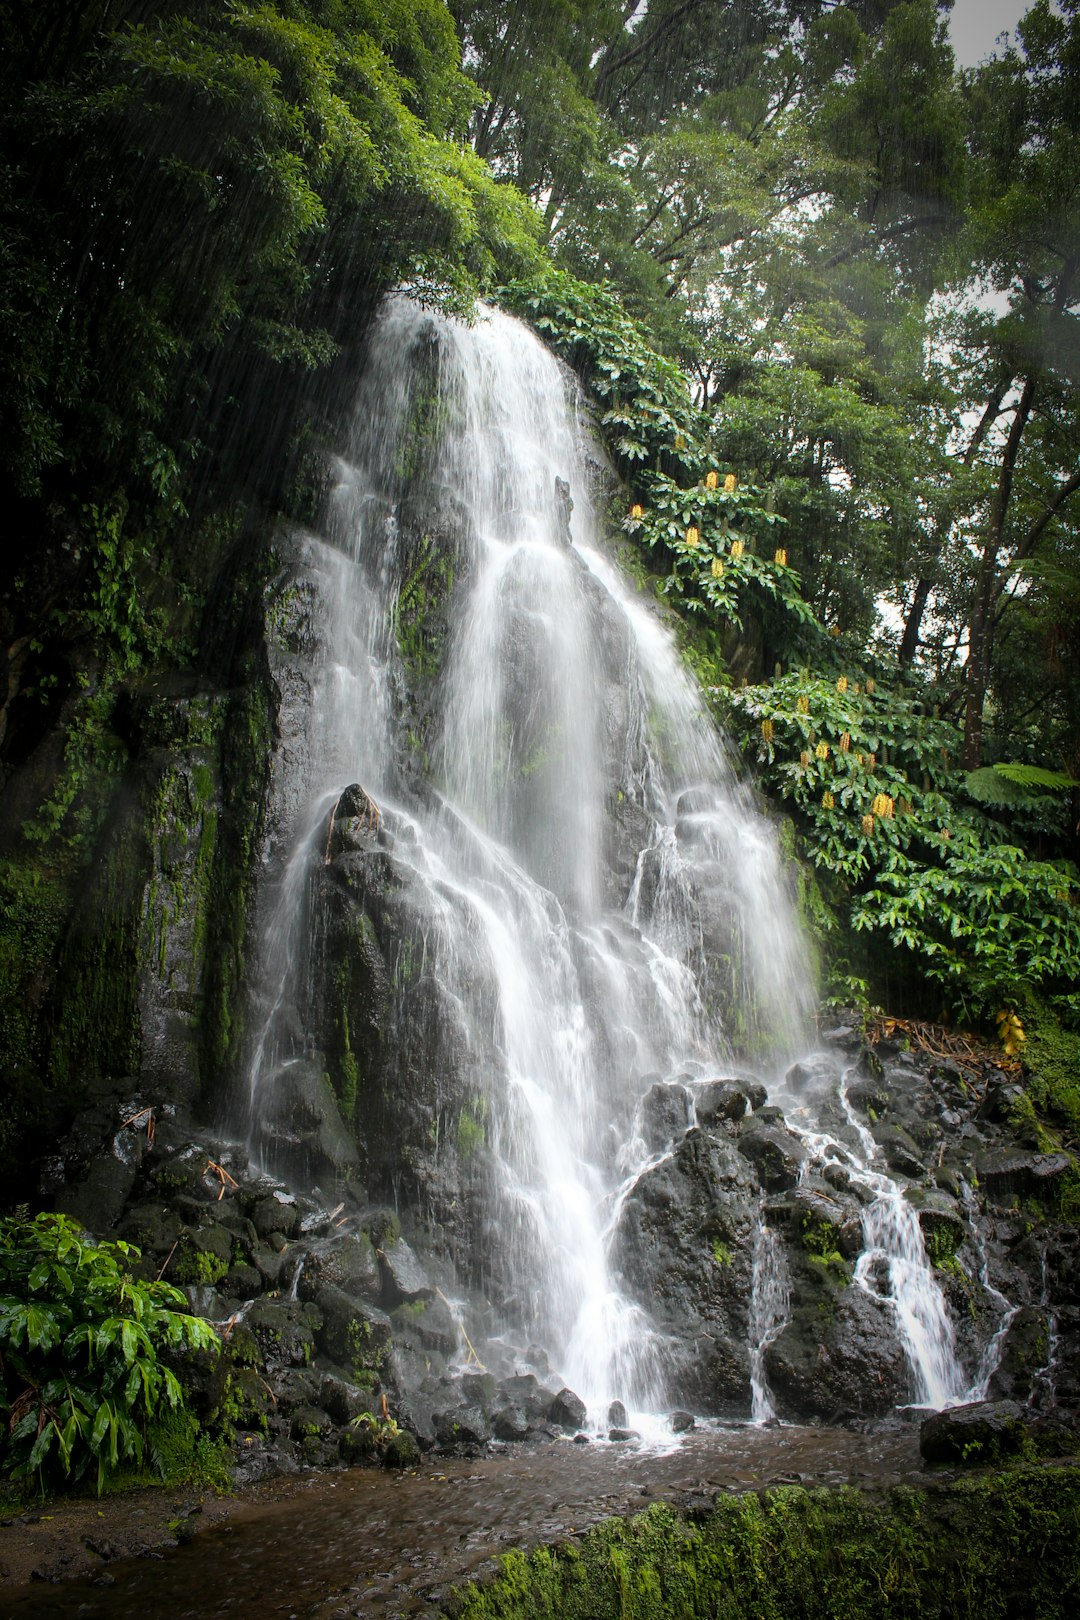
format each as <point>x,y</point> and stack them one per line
<point>1035,776</point>
<point>991,786</point>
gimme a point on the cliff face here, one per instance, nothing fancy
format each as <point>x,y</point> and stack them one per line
<point>423,994</point>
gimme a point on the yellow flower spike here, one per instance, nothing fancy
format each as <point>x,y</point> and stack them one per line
<point>867,825</point>
<point>804,758</point>
<point>882,807</point>
<point>737,549</point>
<point>834,629</point>
<point>841,684</point>
<point>711,480</point>
<point>767,730</point>
<point>803,704</point>
<point>730,481</point>
<point>717,568</point>
<point>946,834</point>
<point>854,688</point>
<point>780,557</point>
<point>828,802</point>
<point>845,741</point>
<point>693,535</point>
<point>822,750</point>
<point>680,441</point>
<point>637,512</point>
<point>870,686</point>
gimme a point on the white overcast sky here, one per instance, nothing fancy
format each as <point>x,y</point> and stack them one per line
<point>975,25</point>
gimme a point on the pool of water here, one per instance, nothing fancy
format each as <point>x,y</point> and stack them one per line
<point>368,1543</point>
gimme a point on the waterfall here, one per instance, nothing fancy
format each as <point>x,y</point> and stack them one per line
<point>492,753</point>
<point>570,975</point>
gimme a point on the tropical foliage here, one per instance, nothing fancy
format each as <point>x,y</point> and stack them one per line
<point>872,776</point>
<point>84,1349</point>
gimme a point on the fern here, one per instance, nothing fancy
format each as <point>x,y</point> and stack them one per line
<point>1035,776</point>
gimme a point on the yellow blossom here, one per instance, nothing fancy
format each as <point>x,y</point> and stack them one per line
<point>767,730</point>
<point>841,684</point>
<point>729,483</point>
<point>867,825</point>
<point>637,512</point>
<point>737,549</point>
<point>845,741</point>
<point>693,535</point>
<point>834,629</point>
<point>827,801</point>
<point>803,704</point>
<point>822,750</point>
<point>717,568</point>
<point>882,806</point>
<point>804,758</point>
<point>680,441</point>
<point>780,557</point>
<point>710,480</point>
<point>871,762</point>
<point>870,686</point>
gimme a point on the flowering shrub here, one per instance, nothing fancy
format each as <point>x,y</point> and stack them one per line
<point>872,781</point>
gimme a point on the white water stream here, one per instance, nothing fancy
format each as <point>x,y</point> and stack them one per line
<point>562,696</point>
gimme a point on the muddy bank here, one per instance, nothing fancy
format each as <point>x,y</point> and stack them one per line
<point>364,1542</point>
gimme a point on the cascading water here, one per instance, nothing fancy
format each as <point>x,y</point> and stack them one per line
<point>566,990</point>
<point>585,901</point>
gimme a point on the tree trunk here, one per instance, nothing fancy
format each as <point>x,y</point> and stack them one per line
<point>988,586</point>
<point>909,642</point>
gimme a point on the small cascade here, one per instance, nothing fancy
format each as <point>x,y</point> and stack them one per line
<point>893,1266</point>
<point>1043,1383</point>
<point>990,1359</point>
<point>770,1303</point>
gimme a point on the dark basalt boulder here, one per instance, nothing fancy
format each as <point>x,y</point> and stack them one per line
<point>1006,1174</point>
<point>775,1152</point>
<point>567,1410</point>
<point>666,1114</point>
<point>837,1359</point>
<point>984,1432</point>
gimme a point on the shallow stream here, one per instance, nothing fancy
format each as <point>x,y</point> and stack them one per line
<point>368,1543</point>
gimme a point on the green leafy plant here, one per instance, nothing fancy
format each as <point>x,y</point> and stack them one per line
<point>870,775</point>
<point>81,1342</point>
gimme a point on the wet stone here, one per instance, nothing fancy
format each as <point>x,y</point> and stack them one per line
<point>616,1415</point>
<point>985,1431</point>
<point>774,1151</point>
<point>665,1115</point>
<point>681,1422</point>
<point>719,1100</point>
<point>616,1434</point>
<point>404,1278</point>
<point>567,1410</point>
<point>511,1424</point>
<point>463,1425</point>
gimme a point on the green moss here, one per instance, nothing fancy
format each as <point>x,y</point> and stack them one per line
<point>982,1549</point>
<point>198,1267</point>
<point>721,1253</point>
<point>420,626</point>
<point>470,1129</point>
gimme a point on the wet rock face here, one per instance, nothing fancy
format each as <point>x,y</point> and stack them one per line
<point>685,1244</point>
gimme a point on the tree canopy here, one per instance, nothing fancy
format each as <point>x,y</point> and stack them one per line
<point>823,286</point>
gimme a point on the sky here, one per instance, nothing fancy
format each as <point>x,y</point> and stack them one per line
<point>975,25</point>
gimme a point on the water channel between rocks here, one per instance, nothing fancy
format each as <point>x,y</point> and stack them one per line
<point>369,1543</point>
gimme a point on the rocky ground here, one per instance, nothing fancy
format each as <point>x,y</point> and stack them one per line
<point>342,1344</point>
